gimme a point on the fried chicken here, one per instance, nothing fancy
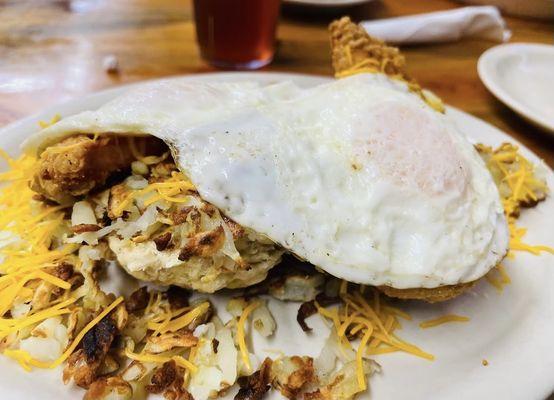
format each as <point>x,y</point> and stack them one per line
<point>434,295</point>
<point>354,51</point>
<point>352,47</point>
<point>79,164</point>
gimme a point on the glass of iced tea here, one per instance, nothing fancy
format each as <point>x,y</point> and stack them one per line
<point>236,34</point>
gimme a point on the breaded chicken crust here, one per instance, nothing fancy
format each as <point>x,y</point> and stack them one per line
<point>352,47</point>
<point>354,51</point>
<point>434,295</point>
<point>76,165</point>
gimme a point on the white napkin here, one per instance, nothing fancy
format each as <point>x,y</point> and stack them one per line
<point>443,26</point>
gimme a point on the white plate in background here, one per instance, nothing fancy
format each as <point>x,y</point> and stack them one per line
<point>513,331</point>
<point>521,75</point>
<point>327,3</point>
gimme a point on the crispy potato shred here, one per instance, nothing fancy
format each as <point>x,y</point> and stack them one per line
<point>55,253</point>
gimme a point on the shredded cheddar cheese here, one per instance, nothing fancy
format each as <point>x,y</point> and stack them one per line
<point>162,325</point>
<point>184,320</point>
<point>178,184</point>
<point>192,356</point>
<point>240,333</point>
<point>159,359</point>
<point>154,299</point>
<point>46,124</point>
<point>25,359</point>
<point>363,313</point>
<point>28,256</point>
<point>359,355</point>
<point>518,185</point>
<point>498,277</point>
<point>443,320</point>
<point>52,279</point>
<point>162,319</point>
<point>10,325</point>
<point>516,242</point>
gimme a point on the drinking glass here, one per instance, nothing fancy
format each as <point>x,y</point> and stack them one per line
<point>236,34</point>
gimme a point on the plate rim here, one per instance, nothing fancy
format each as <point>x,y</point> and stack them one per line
<point>489,60</point>
<point>327,4</point>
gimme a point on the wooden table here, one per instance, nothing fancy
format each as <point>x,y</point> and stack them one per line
<point>51,51</point>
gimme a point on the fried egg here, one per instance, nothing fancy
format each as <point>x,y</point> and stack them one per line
<point>359,176</point>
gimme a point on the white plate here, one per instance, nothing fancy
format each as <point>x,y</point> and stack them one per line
<point>327,3</point>
<point>512,330</point>
<point>522,76</point>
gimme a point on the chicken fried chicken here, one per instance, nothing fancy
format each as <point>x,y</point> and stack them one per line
<point>81,163</point>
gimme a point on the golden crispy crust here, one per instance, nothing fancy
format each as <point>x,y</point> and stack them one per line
<point>204,244</point>
<point>351,46</point>
<point>255,386</point>
<point>434,295</point>
<point>354,51</point>
<point>79,164</point>
<point>290,375</point>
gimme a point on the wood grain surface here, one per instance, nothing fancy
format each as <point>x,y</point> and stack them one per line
<point>53,50</point>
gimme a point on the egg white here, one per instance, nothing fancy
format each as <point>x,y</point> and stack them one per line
<point>359,176</point>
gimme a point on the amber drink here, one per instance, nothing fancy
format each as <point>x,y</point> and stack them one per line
<point>236,34</point>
